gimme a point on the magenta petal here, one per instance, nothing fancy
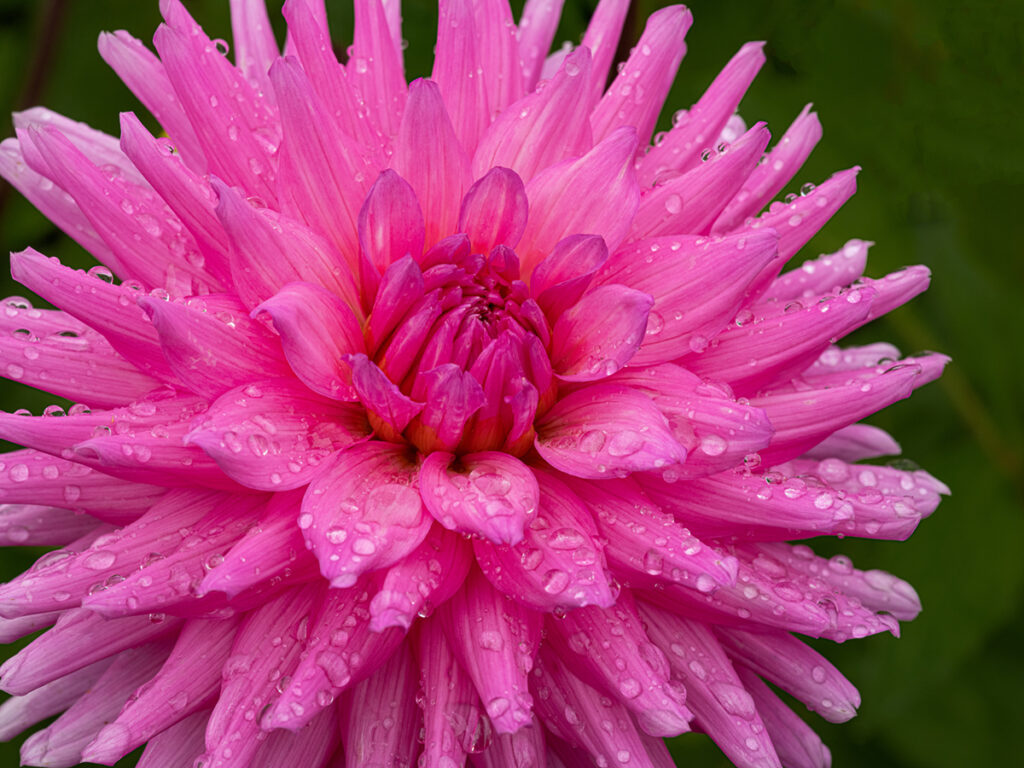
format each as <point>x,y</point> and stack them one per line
<point>490,494</point>
<point>602,38</point>
<point>603,431</point>
<point>424,579</point>
<point>211,343</point>
<point>494,210</point>
<point>380,396</point>
<point>33,525</point>
<point>452,396</point>
<point>375,62</point>
<point>495,640</point>
<point>178,745</point>
<point>559,563</point>
<point>21,712</point>
<point>255,47</point>
<point>723,708</point>
<point>317,330</point>
<point>363,511</point>
<point>273,435</point>
<point>856,442</point>
<point>600,333</point>
<point>401,286</point>
<point>610,647</point>
<point>561,279</point>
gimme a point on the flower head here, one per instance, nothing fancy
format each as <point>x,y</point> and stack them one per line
<point>464,417</point>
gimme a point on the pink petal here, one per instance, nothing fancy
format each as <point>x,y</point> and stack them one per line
<point>255,47</point>
<point>21,712</point>
<point>146,77</point>
<point>317,331</point>
<point>390,222</point>
<point>429,156</point>
<point>387,696</point>
<point>375,65</point>
<point>610,648</point>
<point>70,485</point>
<point>559,563</point>
<point>363,511</point>
<point>779,166</point>
<point>489,494</point>
<point>600,333</point>
<point>454,722</point>
<point>494,210</point>
<point>759,349</point>
<point>187,682</point>
<point>525,747</point>
<point>543,128</point>
<point>458,70</point>
<point>572,710</point>
<point>502,70</point>
<point>793,666</point>
<point>605,430</point>
<point>638,92</point>
<point>63,742</point>
<point>826,273</point>
<point>724,709</point>
<point>109,309</point>
<point>856,442</point>
<point>339,652</point>
<point>270,251</point>
<point>309,746</point>
<point>602,38</point>
<point>265,649</point>
<point>235,126</point>
<point>187,193</point>
<point>399,289</point>
<point>178,745</point>
<point>212,345</point>
<point>80,638</point>
<point>794,741</point>
<point>274,434</point>
<point>642,538</point>
<point>696,130</point>
<point>560,280</point>
<point>32,525</point>
<point>427,577</point>
<point>697,286</point>
<point>380,396</point>
<point>690,203</point>
<point>494,640</point>
<point>537,26</point>
<point>596,194</point>
<point>451,397</point>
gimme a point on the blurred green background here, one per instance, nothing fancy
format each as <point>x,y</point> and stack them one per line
<point>928,97</point>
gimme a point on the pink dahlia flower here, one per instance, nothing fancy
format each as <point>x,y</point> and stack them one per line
<point>444,421</point>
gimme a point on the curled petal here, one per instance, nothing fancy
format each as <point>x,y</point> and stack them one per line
<point>489,494</point>
<point>605,430</point>
<point>391,222</point>
<point>494,210</point>
<point>363,511</point>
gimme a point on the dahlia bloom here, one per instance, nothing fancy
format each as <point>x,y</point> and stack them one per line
<point>454,421</point>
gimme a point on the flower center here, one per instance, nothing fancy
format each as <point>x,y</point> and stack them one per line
<point>473,349</point>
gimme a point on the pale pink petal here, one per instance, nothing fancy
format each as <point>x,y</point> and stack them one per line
<point>275,434</point>
<point>375,65</point>
<point>32,525</point>
<point>495,641</point>
<point>188,682</point>
<point>417,584</point>
<point>255,47</point>
<point>600,334</point>
<point>779,166</point>
<point>178,745</point>
<point>609,647</point>
<point>794,741</point>
<point>363,511</point>
<point>856,442</point>
<point>825,273</point>
<point>490,494</point>
<point>21,712</point>
<point>542,128</point>
<point>317,331</point>
<point>602,38</point>
<point>595,194</point>
<point>458,69</point>
<point>697,286</point>
<point>537,26</point>
<point>559,564</point>
<point>723,708</point>
<point>637,93</point>
<point>390,222</point>
<point>603,431</point>
<point>793,666</point>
